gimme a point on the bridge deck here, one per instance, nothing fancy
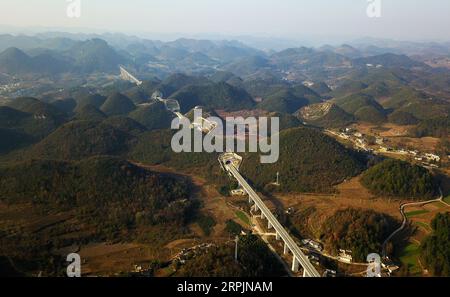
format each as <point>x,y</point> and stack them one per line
<point>310,270</point>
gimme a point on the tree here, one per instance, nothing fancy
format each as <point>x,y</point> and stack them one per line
<point>435,250</point>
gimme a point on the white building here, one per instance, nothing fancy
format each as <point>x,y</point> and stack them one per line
<point>379,140</point>
<point>345,256</point>
<point>433,157</point>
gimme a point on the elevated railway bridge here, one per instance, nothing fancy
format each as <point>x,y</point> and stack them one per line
<point>231,162</point>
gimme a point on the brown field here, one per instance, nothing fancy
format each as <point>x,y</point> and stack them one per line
<point>213,203</point>
<point>441,62</point>
<point>424,144</point>
<point>425,214</point>
<point>350,194</point>
<point>385,130</point>
<point>23,217</point>
<point>397,136</point>
<point>109,259</point>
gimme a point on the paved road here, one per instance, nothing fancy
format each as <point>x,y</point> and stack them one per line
<point>405,219</point>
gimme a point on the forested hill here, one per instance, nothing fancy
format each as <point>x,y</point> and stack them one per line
<point>109,192</point>
<point>309,162</point>
<point>400,179</point>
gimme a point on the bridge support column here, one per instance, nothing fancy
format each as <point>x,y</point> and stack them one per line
<point>277,236</point>
<point>262,215</point>
<point>269,225</point>
<point>250,199</point>
<point>304,273</point>
<point>286,249</point>
<point>295,264</point>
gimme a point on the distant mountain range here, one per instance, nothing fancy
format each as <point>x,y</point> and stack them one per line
<point>54,53</point>
<point>362,82</point>
<point>16,62</point>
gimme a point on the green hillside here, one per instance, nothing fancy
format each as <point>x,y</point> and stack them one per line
<point>380,89</point>
<point>11,139</point>
<point>439,127</point>
<point>370,114</point>
<point>37,124</point>
<point>402,118</point>
<point>404,96</point>
<point>66,105</point>
<point>363,107</point>
<point>264,86</point>
<point>435,250</point>
<point>15,62</point>
<point>361,231</point>
<point>287,121</point>
<point>95,100</point>
<point>417,103</point>
<point>10,117</point>
<point>36,107</point>
<point>309,162</point>
<point>248,65</point>
<point>154,147</point>
<point>321,88</point>
<point>283,101</point>
<point>95,55</point>
<point>326,115</point>
<point>213,95</point>
<point>390,60</point>
<point>349,87</point>
<point>81,139</point>
<point>117,104</point>
<point>89,113</point>
<point>125,124</point>
<point>428,109</point>
<point>101,199</point>
<point>142,93</point>
<point>301,90</point>
<point>400,179</point>
<point>153,116</point>
<point>177,81</point>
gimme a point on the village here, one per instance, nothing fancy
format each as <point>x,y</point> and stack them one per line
<point>379,145</point>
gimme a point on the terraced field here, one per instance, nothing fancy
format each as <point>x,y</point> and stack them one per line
<point>409,256</point>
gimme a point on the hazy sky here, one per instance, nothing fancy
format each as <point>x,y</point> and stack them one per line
<point>400,19</point>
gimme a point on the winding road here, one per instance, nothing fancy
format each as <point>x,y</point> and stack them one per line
<point>405,219</point>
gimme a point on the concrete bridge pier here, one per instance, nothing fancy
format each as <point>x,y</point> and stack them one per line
<point>255,207</point>
<point>295,264</point>
<point>230,163</point>
<point>263,216</point>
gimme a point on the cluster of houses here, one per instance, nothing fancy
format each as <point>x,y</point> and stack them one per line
<point>345,256</point>
<point>312,244</point>
<point>362,143</point>
<point>9,87</point>
<point>190,253</point>
<point>374,66</point>
<point>179,259</point>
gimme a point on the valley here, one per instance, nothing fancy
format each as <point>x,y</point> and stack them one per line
<point>87,165</point>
